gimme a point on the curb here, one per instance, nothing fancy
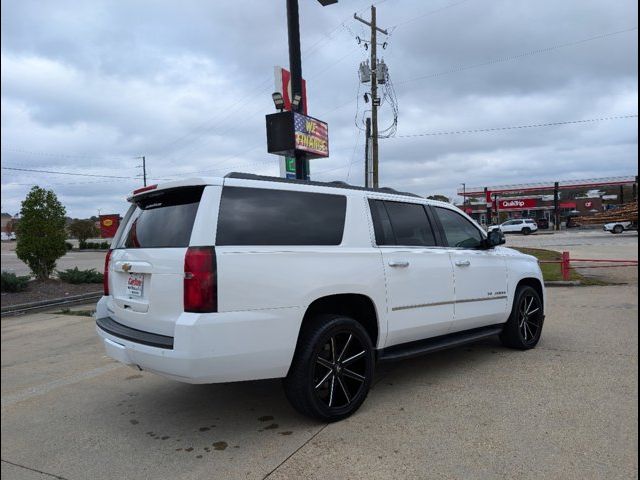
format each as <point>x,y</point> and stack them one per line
<point>563,283</point>
<point>44,304</point>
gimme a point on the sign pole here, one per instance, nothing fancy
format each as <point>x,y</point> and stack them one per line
<point>295,66</point>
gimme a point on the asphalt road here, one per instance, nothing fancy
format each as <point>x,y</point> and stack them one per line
<point>589,244</point>
<point>567,409</point>
<point>82,260</point>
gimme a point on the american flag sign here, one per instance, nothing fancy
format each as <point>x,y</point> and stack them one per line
<point>311,135</point>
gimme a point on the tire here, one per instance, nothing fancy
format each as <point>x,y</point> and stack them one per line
<point>618,229</point>
<point>319,384</point>
<point>522,330</point>
<point>526,231</point>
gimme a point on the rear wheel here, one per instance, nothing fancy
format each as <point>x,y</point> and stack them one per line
<point>332,369</point>
<point>524,327</point>
<point>618,229</point>
<point>526,231</point>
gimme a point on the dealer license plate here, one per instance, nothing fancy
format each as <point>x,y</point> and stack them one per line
<point>135,283</point>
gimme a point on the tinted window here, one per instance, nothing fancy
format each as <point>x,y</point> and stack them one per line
<point>459,231</point>
<point>255,216</point>
<point>408,222</point>
<point>381,223</point>
<point>163,219</point>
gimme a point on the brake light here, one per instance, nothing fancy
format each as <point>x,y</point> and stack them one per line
<point>200,280</point>
<point>145,189</point>
<point>105,275</point>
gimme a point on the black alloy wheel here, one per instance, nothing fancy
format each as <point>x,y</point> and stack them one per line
<point>529,318</point>
<point>618,229</point>
<point>524,327</point>
<point>332,368</point>
<point>340,370</point>
<point>526,230</point>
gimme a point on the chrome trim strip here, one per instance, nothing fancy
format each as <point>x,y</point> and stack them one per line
<point>437,304</point>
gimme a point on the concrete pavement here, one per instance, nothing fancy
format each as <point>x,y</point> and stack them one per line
<point>82,260</point>
<point>567,409</point>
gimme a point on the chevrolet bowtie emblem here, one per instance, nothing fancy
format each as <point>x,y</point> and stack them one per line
<point>126,267</point>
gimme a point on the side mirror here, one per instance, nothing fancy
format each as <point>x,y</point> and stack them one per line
<point>495,238</point>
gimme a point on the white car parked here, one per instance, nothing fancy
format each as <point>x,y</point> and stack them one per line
<point>248,277</point>
<point>525,226</point>
<point>619,227</point>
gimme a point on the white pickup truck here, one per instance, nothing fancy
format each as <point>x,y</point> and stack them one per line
<point>249,277</point>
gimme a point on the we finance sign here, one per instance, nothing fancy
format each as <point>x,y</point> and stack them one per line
<point>311,135</point>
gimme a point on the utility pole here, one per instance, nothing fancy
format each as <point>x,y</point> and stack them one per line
<point>367,156</point>
<point>375,101</point>
<point>144,169</point>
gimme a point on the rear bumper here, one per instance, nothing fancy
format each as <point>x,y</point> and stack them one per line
<point>210,348</point>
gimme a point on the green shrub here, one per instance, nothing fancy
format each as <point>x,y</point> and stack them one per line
<point>41,232</point>
<point>94,245</point>
<point>75,275</point>
<point>13,283</point>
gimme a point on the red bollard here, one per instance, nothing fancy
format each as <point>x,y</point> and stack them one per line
<point>565,266</point>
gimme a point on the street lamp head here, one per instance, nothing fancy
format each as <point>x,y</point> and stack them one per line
<point>278,100</point>
<point>324,3</point>
<point>296,101</point>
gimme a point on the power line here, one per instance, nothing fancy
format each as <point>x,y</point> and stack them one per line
<point>517,127</point>
<point>446,7</point>
<point>517,56</point>
<point>62,173</point>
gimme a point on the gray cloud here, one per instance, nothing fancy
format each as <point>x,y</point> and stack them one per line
<point>88,86</point>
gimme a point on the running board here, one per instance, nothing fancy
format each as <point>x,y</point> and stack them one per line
<point>429,345</point>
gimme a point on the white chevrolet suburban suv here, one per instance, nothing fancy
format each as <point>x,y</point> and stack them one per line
<point>249,277</point>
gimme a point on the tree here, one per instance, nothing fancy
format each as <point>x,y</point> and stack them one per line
<point>440,198</point>
<point>41,234</point>
<point>83,229</point>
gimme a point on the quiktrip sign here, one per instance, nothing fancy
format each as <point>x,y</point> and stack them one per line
<point>517,203</point>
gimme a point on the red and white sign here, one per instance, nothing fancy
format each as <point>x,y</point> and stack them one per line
<point>517,203</point>
<point>588,204</point>
<point>283,85</point>
<point>109,225</point>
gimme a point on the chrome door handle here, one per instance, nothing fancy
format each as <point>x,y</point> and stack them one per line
<point>398,263</point>
<point>463,263</point>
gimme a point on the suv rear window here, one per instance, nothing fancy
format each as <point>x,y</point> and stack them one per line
<point>163,219</point>
<point>257,216</point>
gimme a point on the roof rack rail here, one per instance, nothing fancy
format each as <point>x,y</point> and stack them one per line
<point>334,184</point>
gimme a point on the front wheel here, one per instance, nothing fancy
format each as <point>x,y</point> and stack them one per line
<point>524,327</point>
<point>332,368</point>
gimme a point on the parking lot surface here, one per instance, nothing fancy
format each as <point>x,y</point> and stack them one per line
<point>82,260</point>
<point>567,409</point>
<point>589,244</point>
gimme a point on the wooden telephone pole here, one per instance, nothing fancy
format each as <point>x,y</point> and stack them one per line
<point>375,101</point>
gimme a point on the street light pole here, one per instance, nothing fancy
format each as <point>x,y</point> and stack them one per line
<point>295,66</point>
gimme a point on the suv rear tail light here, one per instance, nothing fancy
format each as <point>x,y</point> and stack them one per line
<point>105,276</point>
<point>145,189</point>
<point>200,280</point>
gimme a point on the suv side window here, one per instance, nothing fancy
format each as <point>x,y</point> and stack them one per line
<point>459,232</point>
<point>260,216</point>
<point>404,224</point>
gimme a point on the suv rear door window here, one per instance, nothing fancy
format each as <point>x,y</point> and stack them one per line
<point>459,232</point>
<point>163,219</point>
<point>404,224</point>
<point>257,216</point>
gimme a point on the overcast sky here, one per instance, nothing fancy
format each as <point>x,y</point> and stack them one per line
<point>88,86</point>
